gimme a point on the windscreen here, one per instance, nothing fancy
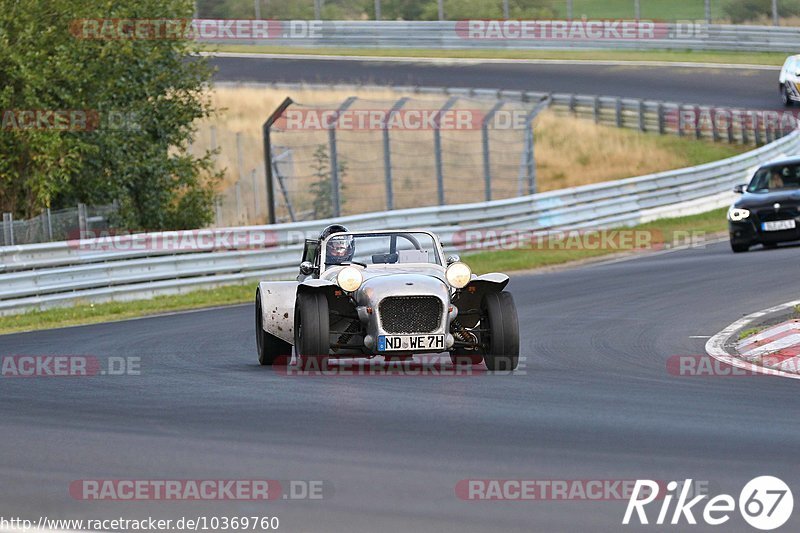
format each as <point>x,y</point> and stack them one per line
<point>382,249</point>
<point>776,177</point>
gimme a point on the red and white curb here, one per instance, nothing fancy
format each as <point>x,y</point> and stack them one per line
<point>779,345</point>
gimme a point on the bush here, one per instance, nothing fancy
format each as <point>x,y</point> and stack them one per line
<point>740,11</point>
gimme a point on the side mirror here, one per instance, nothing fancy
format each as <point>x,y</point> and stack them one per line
<point>453,259</point>
<point>306,268</point>
<point>739,189</point>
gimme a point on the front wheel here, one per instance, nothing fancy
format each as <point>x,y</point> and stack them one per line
<point>500,319</point>
<point>785,98</point>
<point>312,331</point>
<point>271,349</point>
<point>739,247</point>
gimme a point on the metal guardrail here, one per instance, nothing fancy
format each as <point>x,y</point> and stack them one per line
<point>46,275</point>
<point>514,34</point>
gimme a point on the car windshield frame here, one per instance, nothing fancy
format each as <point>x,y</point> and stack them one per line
<point>789,174</point>
<point>434,240</point>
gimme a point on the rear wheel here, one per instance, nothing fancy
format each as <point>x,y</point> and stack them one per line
<point>312,331</point>
<point>739,247</point>
<point>271,349</point>
<point>500,319</point>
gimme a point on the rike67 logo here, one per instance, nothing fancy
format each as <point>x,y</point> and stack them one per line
<point>765,503</point>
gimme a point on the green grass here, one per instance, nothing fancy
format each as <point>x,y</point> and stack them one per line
<point>659,234</point>
<point>726,58</point>
<point>106,312</point>
<point>696,152</point>
<point>748,332</point>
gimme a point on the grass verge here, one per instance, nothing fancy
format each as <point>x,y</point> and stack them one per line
<point>498,261</point>
<point>672,56</point>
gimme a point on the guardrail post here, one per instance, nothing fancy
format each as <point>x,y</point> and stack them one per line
<point>680,120</point>
<point>487,167</point>
<point>596,110</point>
<point>387,152</point>
<point>437,148</point>
<point>756,129</point>
<point>731,138</point>
<point>743,129</point>
<point>334,158</point>
<point>641,116</point>
<point>698,130</point>
<point>8,229</point>
<point>83,227</point>
<point>768,131</point>
<point>660,113</point>
<point>714,129</point>
<point>618,111</point>
<point>572,103</point>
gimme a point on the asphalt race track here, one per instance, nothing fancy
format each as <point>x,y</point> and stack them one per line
<point>595,402</point>
<point>739,87</point>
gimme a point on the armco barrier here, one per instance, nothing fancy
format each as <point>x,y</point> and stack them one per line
<point>46,275</point>
<point>536,35</point>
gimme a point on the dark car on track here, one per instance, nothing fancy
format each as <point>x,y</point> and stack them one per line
<point>768,213</point>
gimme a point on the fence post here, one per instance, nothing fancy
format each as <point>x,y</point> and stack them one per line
<point>680,120</point>
<point>713,113</point>
<point>530,142</point>
<point>569,9</point>
<point>218,212</point>
<point>437,148</point>
<point>238,188</point>
<point>731,138</point>
<point>487,167</point>
<point>8,229</point>
<point>387,152</point>
<point>660,112</point>
<point>265,132</point>
<point>377,9</point>
<point>743,128</point>
<point>334,158</point>
<point>82,222</point>
<point>637,10</point>
<point>49,224</point>
<point>756,129</point>
<point>213,138</point>
<point>618,111</point>
<point>572,102</point>
<point>254,180</point>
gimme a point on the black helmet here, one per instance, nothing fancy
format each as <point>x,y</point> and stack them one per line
<point>339,249</point>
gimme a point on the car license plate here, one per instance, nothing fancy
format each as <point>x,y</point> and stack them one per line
<point>388,343</point>
<point>778,225</point>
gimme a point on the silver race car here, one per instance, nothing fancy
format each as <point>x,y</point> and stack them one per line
<point>789,82</point>
<point>389,293</point>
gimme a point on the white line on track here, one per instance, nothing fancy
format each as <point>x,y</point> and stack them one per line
<point>478,61</point>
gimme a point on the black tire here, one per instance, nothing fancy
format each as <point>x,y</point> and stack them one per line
<point>271,349</point>
<point>739,247</point>
<point>312,331</point>
<point>787,101</point>
<point>461,357</point>
<point>500,315</point>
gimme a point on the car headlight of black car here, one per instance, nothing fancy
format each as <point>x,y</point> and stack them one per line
<point>735,214</point>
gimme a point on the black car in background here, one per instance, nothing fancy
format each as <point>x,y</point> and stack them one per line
<point>768,213</point>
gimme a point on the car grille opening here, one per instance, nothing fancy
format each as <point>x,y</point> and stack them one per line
<point>410,314</point>
<point>770,215</point>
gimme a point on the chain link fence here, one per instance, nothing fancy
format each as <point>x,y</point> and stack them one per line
<point>59,225</point>
<point>362,155</point>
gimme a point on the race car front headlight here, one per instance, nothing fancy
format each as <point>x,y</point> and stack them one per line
<point>349,278</point>
<point>736,214</point>
<point>458,275</point>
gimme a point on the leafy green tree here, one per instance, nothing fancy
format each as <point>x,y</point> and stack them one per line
<point>142,97</point>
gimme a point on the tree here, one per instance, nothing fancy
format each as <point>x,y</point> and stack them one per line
<point>141,96</point>
<point>321,194</point>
